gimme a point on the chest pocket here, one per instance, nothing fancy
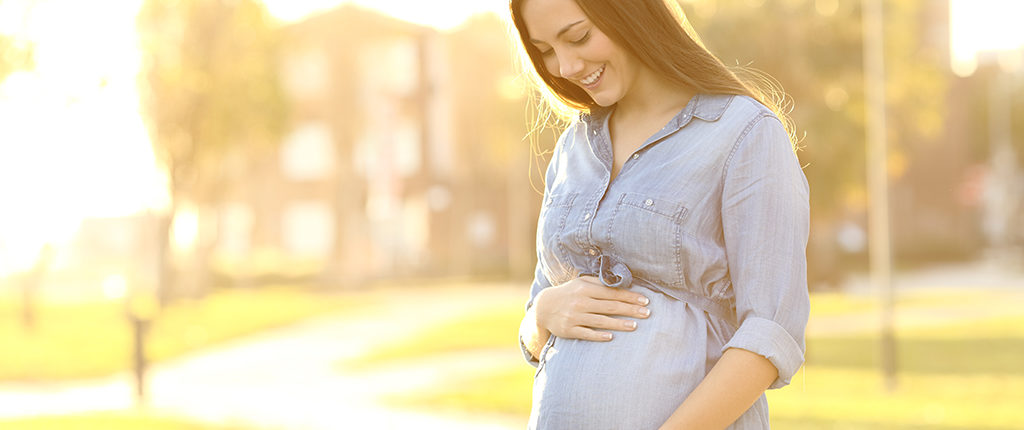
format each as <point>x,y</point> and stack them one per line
<point>647,233</point>
<point>550,229</point>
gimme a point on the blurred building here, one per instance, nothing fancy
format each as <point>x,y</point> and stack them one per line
<point>404,156</point>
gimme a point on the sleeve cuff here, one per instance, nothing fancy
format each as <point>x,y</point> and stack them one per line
<point>768,339</point>
<point>526,354</point>
<point>522,346</point>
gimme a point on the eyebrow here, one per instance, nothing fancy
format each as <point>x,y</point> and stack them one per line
<point>560,32</point>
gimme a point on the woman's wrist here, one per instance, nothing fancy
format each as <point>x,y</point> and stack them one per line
<point>532,333</point>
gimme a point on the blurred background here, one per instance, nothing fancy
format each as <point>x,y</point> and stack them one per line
<point>321,214</point>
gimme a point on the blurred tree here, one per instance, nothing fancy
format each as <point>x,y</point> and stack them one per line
<point>14,55</point>
<point>15,52</point>
<point>209,85</point>
<point>31,282</point>
<point>814,49</point>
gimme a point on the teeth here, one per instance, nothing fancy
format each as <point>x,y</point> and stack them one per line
<point>593,77</point>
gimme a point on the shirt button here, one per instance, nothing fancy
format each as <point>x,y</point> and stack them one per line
<point>635,156</point>
<point>595,132</point>
<point>586,216</point>
<point>648,202</point>
<point>592,252</point>
<point>551,200</point>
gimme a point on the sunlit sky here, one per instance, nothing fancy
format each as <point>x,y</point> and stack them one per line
<point>979,25</point>
<point>73,144</point>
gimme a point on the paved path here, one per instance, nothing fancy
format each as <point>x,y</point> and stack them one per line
<point>289,378</point>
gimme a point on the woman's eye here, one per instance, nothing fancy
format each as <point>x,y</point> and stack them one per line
<point>582,39</point>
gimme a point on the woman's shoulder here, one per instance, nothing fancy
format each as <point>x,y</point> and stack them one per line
<point>743,108</point>
<point>746,115</point>
<point>577,128</point>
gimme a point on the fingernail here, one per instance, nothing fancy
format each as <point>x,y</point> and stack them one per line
<point>646,312</point>
<point>607,336</point>
<point>632,324</point>
<point>643,300</point>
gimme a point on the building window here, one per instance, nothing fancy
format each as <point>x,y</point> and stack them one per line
<point>305,74</point>
<point>307,153</point>
<point>308,229</point>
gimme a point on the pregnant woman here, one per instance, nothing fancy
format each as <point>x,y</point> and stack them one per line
<point>670,289</point>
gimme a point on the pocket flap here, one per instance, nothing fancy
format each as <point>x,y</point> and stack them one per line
<point>667,208</point>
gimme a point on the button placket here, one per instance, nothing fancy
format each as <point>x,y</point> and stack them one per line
<point>583,238</point>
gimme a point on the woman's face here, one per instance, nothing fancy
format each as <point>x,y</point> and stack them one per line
<point>575,49</point>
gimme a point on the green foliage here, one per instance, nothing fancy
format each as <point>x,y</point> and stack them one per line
<point>210,83</point>
<point>100,336</point>
<point>14,56</point>
<point>15,52</point>
<point>814,49</point>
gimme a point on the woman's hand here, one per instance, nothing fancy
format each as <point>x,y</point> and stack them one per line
<point>582,307</point>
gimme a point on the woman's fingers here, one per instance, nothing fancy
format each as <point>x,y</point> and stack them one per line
<point>602,292</point>
<point>585,333</point>
<point>615,307</point>
<point>583,307</point>
<point>610,301</point>
<point>596,321</point>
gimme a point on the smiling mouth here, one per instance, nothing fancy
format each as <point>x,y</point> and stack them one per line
<point>591,80</point>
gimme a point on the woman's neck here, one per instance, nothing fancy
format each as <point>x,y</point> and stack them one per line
<point>653,96</point>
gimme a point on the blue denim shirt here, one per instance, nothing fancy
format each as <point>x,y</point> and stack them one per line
<point>709,219</point>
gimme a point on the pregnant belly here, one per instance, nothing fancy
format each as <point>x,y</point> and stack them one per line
<point>634,381</point>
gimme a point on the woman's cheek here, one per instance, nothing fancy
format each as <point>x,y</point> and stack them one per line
<point>551,64</point>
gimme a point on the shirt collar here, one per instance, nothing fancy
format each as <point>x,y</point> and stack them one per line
<point>708,107</point>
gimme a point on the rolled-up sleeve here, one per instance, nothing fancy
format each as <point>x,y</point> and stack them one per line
<point>540,281</point>
<point>765,221</point>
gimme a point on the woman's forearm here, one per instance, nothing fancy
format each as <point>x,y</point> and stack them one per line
<point>532,335</point>
<point>738,379</point>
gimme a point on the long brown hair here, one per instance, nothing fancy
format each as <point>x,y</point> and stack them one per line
<point>657,33</point>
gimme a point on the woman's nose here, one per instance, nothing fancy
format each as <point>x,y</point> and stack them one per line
<point>570,65</point>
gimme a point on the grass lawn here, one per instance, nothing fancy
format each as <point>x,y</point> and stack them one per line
<point>960,376</point>
<point>108,421</point>
<point>87,340</point>
<point>491,328</point>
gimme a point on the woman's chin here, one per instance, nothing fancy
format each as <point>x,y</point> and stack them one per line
<point>604,101</point>
<point>604,98</point>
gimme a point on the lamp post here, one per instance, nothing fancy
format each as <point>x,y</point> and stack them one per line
<point>879,247</point>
